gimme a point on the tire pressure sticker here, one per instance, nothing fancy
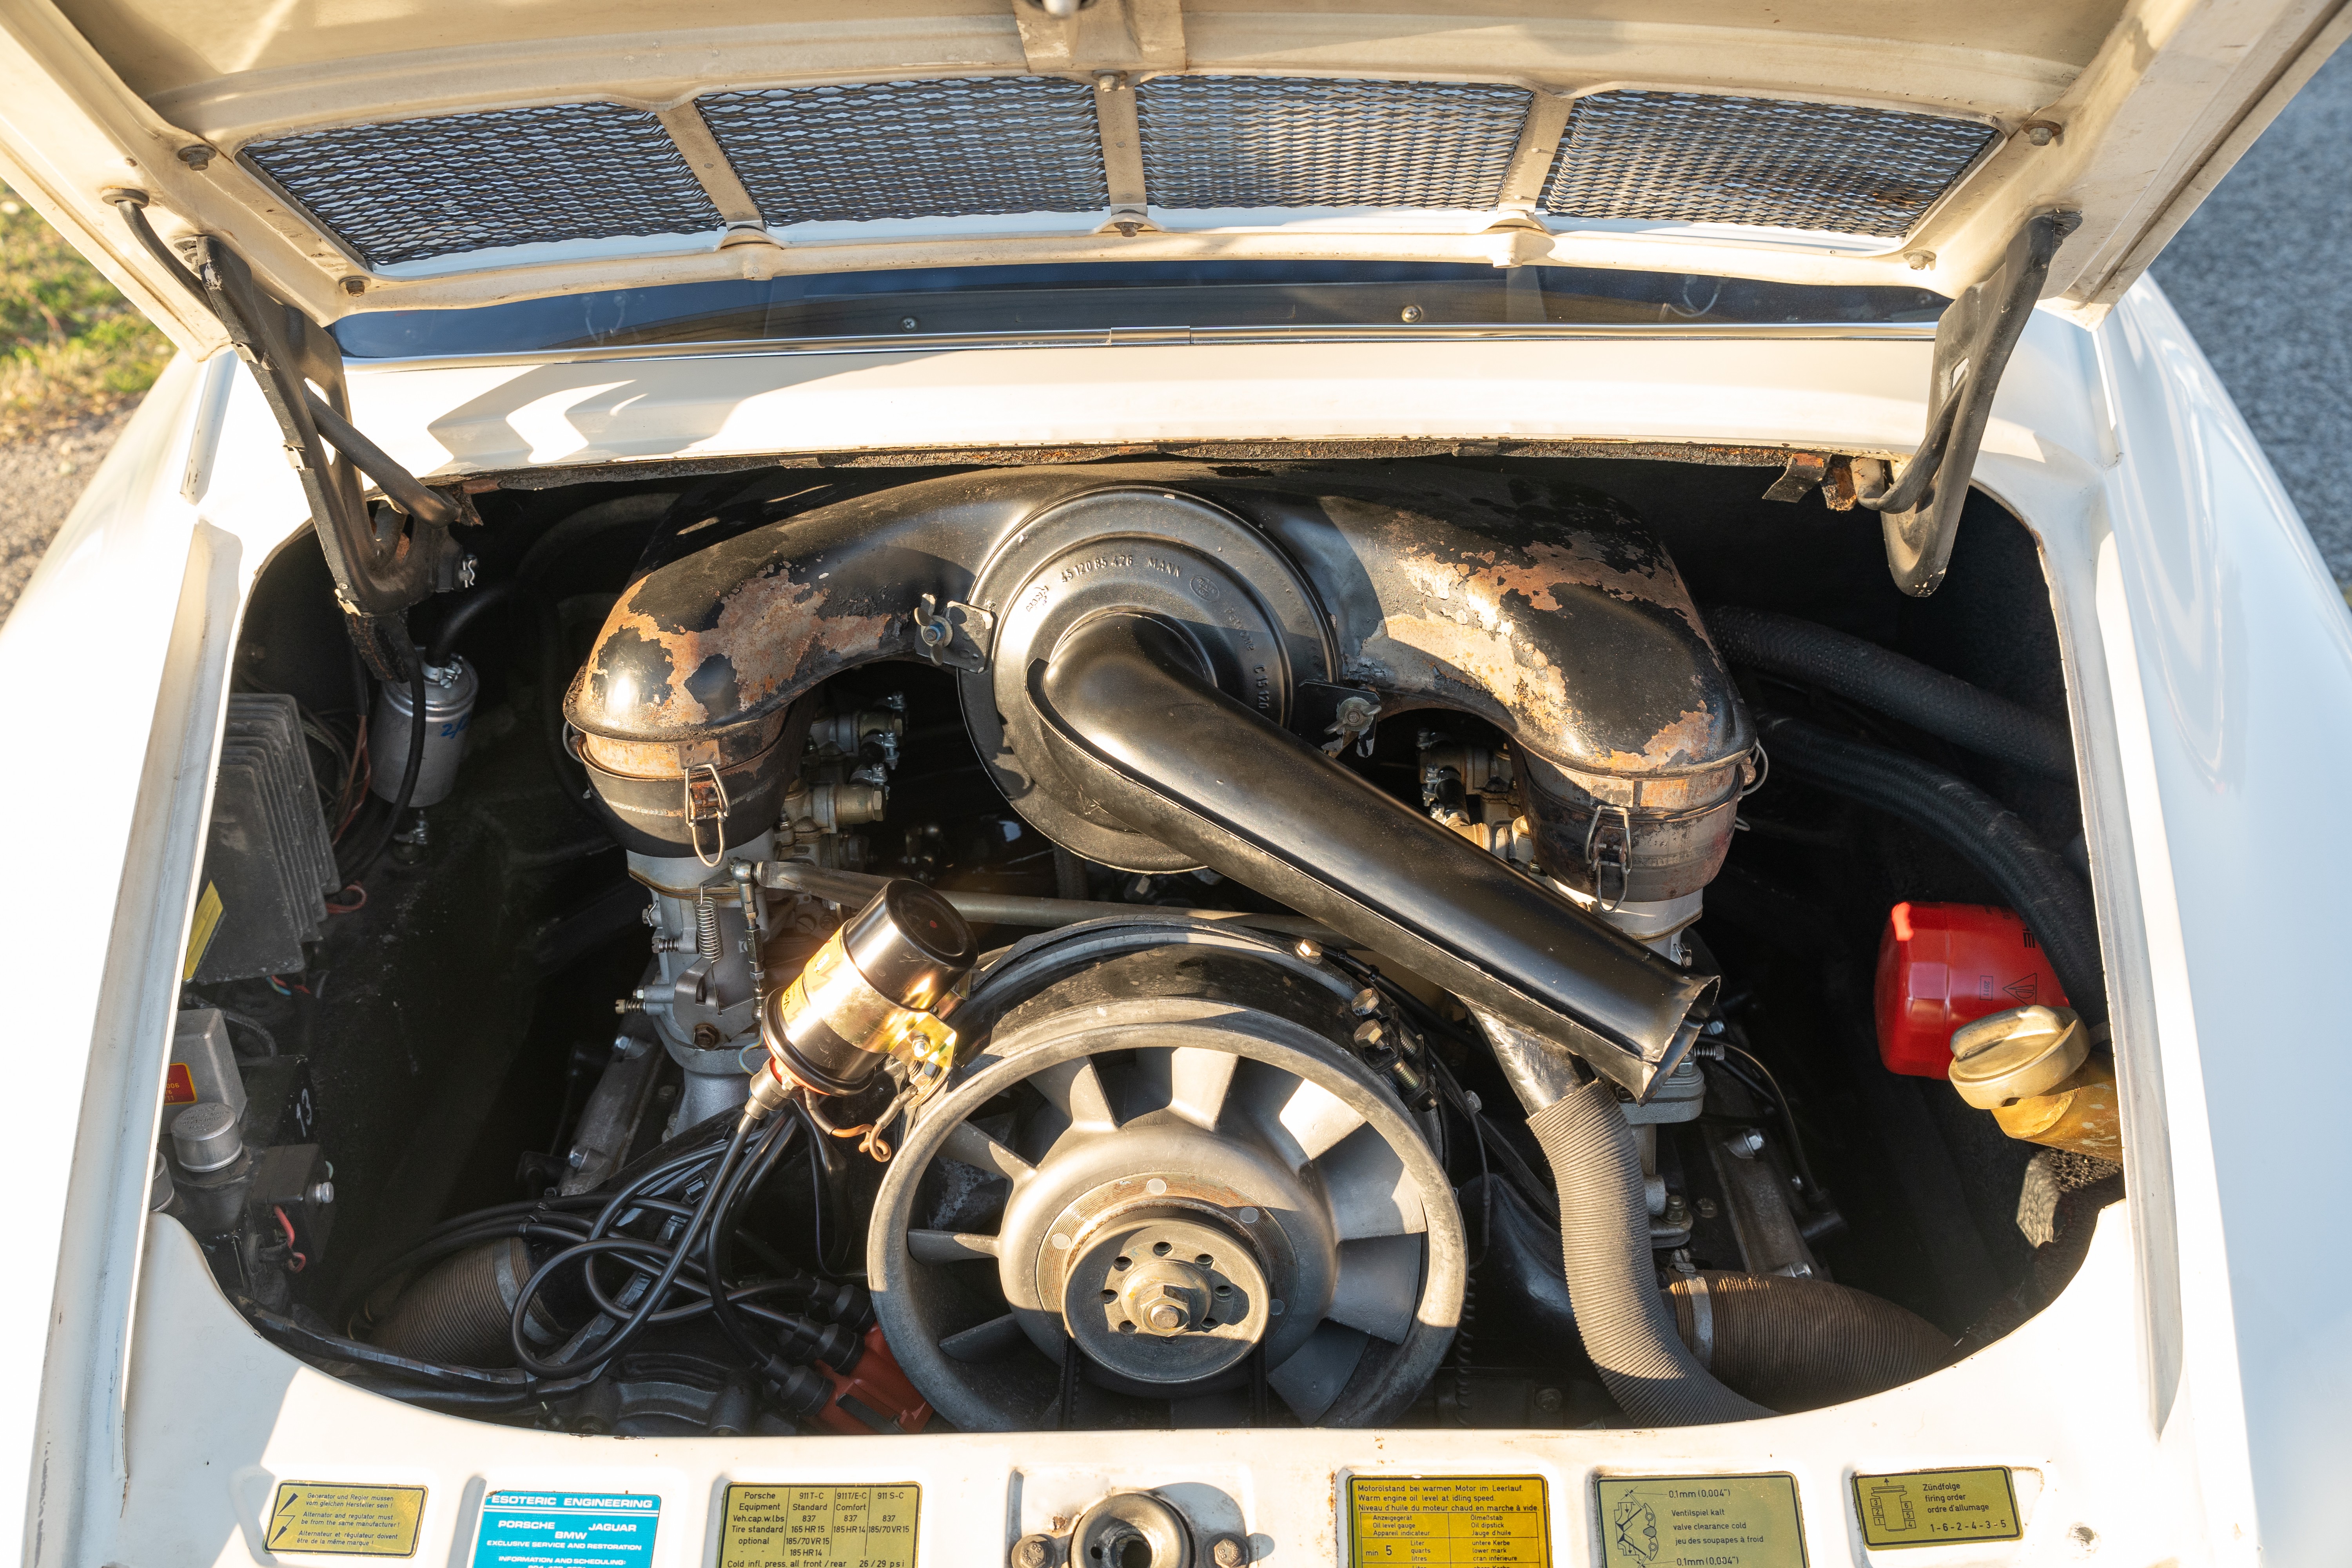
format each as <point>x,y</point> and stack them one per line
<point>1931,1508</point>
<point>567,1530</point>
<point>820,1527</point>
<point>1450,1521</point>
<point>337,1519</point>
<point>1700,1521</point>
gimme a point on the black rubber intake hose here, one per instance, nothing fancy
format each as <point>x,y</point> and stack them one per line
<point>2042,888</point>
<point>460,617</point>
<point>1131,714</point>
<point>1605,1248</point>
<point>1886,682</point>
<point>362,861</point>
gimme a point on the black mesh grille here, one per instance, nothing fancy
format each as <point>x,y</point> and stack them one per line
<point>1686,157</point>
<point>411,189</point>
<point>1282,141</point>
<point>913,149</point>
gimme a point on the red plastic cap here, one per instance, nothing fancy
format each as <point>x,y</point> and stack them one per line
<point>1943,966</point>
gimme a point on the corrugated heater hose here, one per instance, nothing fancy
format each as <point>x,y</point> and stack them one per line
<point>1604,1244</point>
<point>1799,1344</point>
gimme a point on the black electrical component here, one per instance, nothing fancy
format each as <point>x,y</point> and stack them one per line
<point>268,861</point>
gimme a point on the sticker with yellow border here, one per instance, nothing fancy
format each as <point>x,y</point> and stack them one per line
<point>1700,1521</point>
<point>819,1526</point>
<point>339,1519</point>
<point>1450,1521</point>
<point>1933,1507</point>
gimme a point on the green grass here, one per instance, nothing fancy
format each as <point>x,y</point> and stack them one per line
<point>70,347</point>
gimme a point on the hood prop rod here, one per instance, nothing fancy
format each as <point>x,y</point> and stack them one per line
<point>381,566</point>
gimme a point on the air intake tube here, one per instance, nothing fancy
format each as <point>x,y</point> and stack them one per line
<point>1131,712</point>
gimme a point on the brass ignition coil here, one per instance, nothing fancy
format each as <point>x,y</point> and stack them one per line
<point>881,985</point>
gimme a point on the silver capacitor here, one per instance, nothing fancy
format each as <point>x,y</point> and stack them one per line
<point>449,691</point>
<point>205,1138</point>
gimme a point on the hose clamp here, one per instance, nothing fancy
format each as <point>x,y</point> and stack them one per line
<point>1593,847</point>
<point>706,801</point>
<point>1702,1323</point>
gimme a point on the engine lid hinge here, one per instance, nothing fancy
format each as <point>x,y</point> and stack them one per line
<point>1920,510</point>
<point>385,558</point>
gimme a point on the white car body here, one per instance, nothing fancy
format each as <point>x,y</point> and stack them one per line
<point>2181,1402</point>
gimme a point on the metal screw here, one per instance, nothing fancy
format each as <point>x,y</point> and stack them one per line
<point>195,157</point>
<point>2040,132</point>
<point>1920,261</point>
<point>908,323</point>
<point>1370,1035</point>
<point>1677,1210</point>
<point>1229,1552</point>
<point>1309,949</point>
<point>1747,1143</point>
<point>321,1194</point>
<point>1707,1209</point>
<point>1550,1400</point>
<point>1364,1003</point>
<point>1032,1551</point>
<point>577,1159</point>
<point>1409,314</point>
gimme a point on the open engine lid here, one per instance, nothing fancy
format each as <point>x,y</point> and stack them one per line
<point>454,153</point>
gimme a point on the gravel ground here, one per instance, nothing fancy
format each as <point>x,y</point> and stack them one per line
<point>2260,274</point>
<point>39,482</point>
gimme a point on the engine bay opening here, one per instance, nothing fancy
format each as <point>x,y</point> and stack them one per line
<point>1489,942</point>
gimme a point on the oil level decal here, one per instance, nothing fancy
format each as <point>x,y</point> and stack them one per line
<point>1700,1521</point>
<point>1449,1521</point>
<point>567,1530</point>
<point>339,1519</point>
<point>820,1527</point>
<point>1932,1507</point>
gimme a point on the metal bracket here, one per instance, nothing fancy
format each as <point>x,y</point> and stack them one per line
<point>1804,472</point>
<point>1920,512</point>
<point>956,636</point>
<point>1060,36</point>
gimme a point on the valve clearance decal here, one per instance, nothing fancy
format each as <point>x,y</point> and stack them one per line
<point>819,1527</point>
<point>1931,1507</point>
<point>336,1518</point>
<point>1449,1521</point>
<point>567,1530</point>
<point>1700,1521</point>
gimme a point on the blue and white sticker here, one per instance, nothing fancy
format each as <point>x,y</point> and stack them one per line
<point>567,1530</point>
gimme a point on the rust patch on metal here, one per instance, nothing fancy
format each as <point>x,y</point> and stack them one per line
<point>1481,581</point>
<point>769,629</point>
<point>1471,630</point>
<point>1689,739</point>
